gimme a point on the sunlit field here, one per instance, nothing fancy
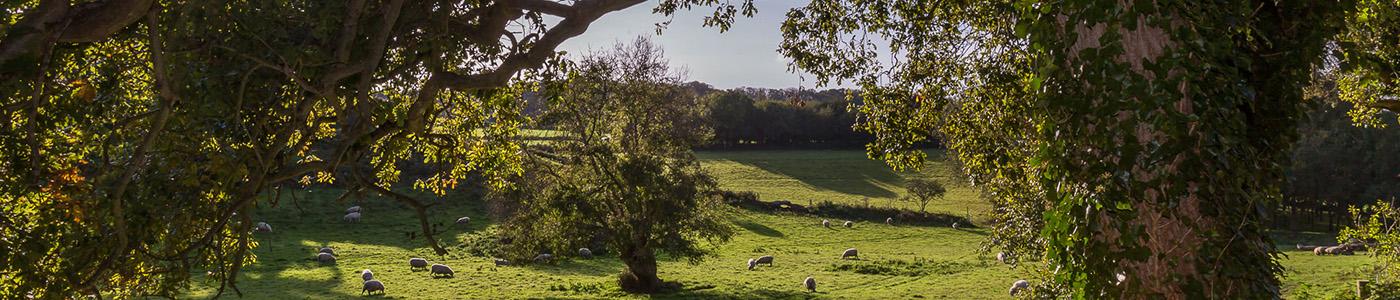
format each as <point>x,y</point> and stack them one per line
<point>897,262</point>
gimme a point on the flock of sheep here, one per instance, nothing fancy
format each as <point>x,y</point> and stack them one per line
<point>327,255</point>
<point>1344,249</point>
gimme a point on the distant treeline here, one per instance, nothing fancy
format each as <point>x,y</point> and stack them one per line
<point>780,118</point>
<point>1337,165</point>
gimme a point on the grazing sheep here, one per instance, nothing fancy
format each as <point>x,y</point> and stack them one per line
<point>1001,257</point>
<point>752,263</point>
<point>811,284</point>
<point>352,217</point>
<point>327,250</point>
<point>417,263</point>
<point>502,262</point>
<point>371,286</point>
<point>585,253</point>
<point>1018,286</point>
<point>850,253</point>
<point>849,224</point>
<point>889,221</point>
<point>543,258</point>
<point>1320,250</point>
<point>955,225</point>
<point>766,259</point>
<point>367,275</point>
<point>263,227</point>
<point>443,270</point>
<point>464,220</point>
<point>352,209</point>
<point>826,223</point>
<point>325,258</point>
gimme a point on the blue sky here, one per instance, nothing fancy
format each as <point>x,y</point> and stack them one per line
<point>746,55</point>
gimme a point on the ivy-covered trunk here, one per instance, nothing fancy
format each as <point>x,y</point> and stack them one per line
<point>1166,129</point>
<point>640,275</point>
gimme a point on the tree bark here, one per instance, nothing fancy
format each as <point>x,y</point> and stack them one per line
<point>640,275</point>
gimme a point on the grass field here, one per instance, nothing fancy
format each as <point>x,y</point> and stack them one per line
<point>899,262</point>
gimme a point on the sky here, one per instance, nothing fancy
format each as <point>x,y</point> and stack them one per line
<point>746,55</point>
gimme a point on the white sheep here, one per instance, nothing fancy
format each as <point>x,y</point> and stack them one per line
<point>417,263</point>
<point>955,225</point>
<point>353,209</point>
<point>1001,257</point>
<point>443,270</point>
<point>263,227</point>
<point>352,217</point>
<point>372,286</point>
<point>850,253</point>
<point>1018,286</point>
<point>1121,278</point>
<point>585,253</point>
<point>849,224</point>
<point>752,263</point>
<point>1320,250</point>
<point>325,258</point>
<point>367,275</point>
<point>543,258</point>
<point>766,259</point>
<point>502,262</point>
<point>464,220</point>
<point>889,221</point>
<point>811,284</point>
<point>327,250</point>
<point>826,223</point>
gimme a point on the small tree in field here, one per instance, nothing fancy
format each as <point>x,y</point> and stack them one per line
<point>623,176</point>
<point>923,191</point>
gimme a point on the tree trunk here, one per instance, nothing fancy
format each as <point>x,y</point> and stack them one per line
<point>640,275</point>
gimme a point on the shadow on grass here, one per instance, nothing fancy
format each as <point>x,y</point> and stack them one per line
<point>828,170</point>
<point>760,229</point>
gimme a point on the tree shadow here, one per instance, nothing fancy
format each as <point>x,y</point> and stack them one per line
<point>822,169</point>
<point>760,229</point>
<point>761,293</point>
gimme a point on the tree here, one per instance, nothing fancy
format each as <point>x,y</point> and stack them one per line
<point>624,173</point>
<point>1138,138</point>
<point>137,135</point>
<point>922,191</point>
<point>731,115</point>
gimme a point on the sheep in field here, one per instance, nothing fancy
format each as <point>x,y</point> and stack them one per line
<point>1018,286</point>
<point>352,217</point>
<point>327,250</point>
<point>826,223</point>
<point>367,275</point>
<point>417,263</point>
<point>889,221</point>
<point>585,253</point>
<point>766,259</point>
<point>849,224</point>
<point>372,286</point>
<point>850,253</point>
<point>811,284</point>
<point>464,220</point>
<point>263,227</point>
<point>502,262</point>
<point>325,258</point>
<point>353,209</point>
<point>442,270</point>
<point>1001,257</point>
<point>1320,250</point>
<point>752,263</point>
